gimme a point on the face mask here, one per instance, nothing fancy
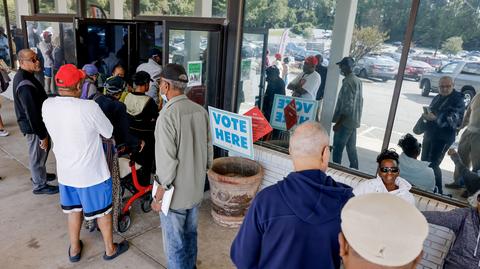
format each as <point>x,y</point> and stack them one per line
<point>164,97</point>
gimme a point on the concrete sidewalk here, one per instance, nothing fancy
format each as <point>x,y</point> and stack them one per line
<point>33,229</point>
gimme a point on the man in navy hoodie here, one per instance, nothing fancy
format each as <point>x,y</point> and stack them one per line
<point>295,223</point>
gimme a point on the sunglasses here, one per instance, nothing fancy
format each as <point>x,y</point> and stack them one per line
<point>389,169</point>
<point>33,60</point>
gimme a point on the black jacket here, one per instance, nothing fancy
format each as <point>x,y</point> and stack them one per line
<point>274,86</point>
<point>449,111</point>
<point>116,112</point>
<point>147,119</point>
<point>322,70</point>
<point>28,102</point>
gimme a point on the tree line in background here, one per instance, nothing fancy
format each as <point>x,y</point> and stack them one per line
<point>450,25</point>
<point>437,20</point>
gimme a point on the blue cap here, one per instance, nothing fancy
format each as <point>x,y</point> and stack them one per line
<point>90,69</point>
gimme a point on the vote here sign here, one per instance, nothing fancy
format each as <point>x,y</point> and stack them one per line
<point>231,131</point>
<point>306,110</point>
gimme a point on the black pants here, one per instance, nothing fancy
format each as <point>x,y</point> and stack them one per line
<point>434,148</point>
<point>146,157</point>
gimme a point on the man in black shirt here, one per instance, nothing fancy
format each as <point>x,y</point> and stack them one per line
<point>322,70</point>
<point>28,95</point>
<point>275,86</point>
<point>143,113</point>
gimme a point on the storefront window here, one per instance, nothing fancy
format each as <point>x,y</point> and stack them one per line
<point>294,33</point>
<point>5,50</point>
<point>55,46</point>
<point>444,44</point>
<point>56,6</point>
<point>107,9</point>
<point>197,8</point>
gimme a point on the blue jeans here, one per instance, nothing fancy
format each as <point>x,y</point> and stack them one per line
<point>179,230</point>
<point>345,137</point>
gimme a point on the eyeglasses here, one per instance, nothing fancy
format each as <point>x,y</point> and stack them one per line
<point>33,60</point>
<point>445,86</point>
<point>389,169</point>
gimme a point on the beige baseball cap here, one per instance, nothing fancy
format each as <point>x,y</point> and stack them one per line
<point>384,229</point>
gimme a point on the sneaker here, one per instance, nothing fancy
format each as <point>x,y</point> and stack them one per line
<point>3,133</point>
<point>47,189</point>
<point>453,186</point>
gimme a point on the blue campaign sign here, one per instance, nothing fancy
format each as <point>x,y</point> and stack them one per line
<point>306,110</point>
<point>231,131</point>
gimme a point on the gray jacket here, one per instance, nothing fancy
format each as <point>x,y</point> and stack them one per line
<point>464,222</point>
<point>350,102</point>
<point>183,150</point>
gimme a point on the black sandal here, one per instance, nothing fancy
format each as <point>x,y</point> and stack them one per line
<point>77,257</point>
<point>120,248</point>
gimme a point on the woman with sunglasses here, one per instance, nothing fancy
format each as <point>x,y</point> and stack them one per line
<point>387,180</point>
<point>465,223</point>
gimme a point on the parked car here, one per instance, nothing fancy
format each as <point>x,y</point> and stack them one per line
<point>301,55</point>
<point>415,69</point>
<point>394,55</point>
<point>434,62</point>
<point>465,74</point>
<point>376,67</point>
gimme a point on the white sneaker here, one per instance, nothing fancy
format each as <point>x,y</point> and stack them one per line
<point>3,133</point>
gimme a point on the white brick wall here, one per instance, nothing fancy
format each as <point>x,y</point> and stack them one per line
<point>277,165</point>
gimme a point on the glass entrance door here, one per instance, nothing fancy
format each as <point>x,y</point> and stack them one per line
<point>252,70</point>
<point>200,53</point>
<point>105,43</point>
<point>54,42</point>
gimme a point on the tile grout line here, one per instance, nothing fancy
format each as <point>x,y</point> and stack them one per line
<point>14,158</point>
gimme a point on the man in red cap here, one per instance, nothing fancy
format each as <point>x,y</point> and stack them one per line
<point>84,179</point>
<point>307,83</point>
<point>278,62</point>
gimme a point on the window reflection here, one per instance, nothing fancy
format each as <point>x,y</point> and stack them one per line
<point>54,44</point>
<point>5,50</point>
<point>450,48</point>
<point>303,47</point>
<point>198,8</point>
<point>51,6</point>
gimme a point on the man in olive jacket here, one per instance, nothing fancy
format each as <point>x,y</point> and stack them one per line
<point>183,153</point>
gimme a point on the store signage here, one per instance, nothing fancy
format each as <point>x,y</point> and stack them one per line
<point>194,70</point>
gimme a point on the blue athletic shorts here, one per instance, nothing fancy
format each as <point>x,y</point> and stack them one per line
<point>47,71</point>
<point>95,201</point>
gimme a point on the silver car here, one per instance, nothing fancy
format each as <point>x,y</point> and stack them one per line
<point>465,74</point>
<point>383,68</point>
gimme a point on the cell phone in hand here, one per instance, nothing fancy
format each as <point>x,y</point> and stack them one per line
<point>426,110</point>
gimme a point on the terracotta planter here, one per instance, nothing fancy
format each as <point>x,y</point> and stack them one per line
<point>234,181</point>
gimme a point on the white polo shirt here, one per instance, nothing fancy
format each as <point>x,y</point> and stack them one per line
<point>75,126</point>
